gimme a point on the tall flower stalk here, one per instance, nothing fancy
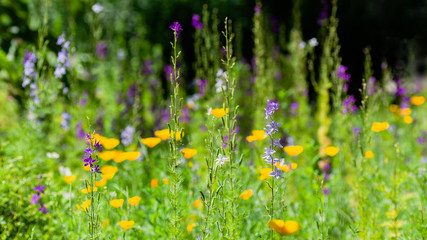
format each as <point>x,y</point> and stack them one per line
<point>90,158</point>
<point>174,130</point>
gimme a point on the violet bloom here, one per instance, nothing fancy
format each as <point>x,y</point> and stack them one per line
<point>294,108</point>
<point>342,73</point>
<point>271,128</point>
<point>257,9</point>
<point>371,86</point>
<point>356,131</point>
<point>147,67</point>
<point>101,49</point>
<point>127,135</point>
<point>79,131</point>
<point>65,120</point>
<point>29,65</point>
<point>176,27</point>
<point>326,192</point>
<point>35,199</point>
<point>400,89</point>
<point>63,60</point>
<point>168,69</point>
<point>268,155</point>
<point>197,24</point>
<point>277,143</point>
<point>165,115</point>
<point>272,107</point>
<point>185,116</point>
<point>95,169</point>
<point>348,104</point>
<point>43,209</point>
<point>202,83</point>
<point>40,189</point>
<point>324,13</point>
<point>277,173</point>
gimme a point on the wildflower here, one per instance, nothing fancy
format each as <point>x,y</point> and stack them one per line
<point>265,173</point>
<point>127,135</point>
<point>219,81</point>
<point>162,134</point>
<point>268,154</point>
<point>294,107</point>
<point>286,167</point>
<point>154,183</point>
<point>176,27</point>
<point>324,13</point>
<point>131,156</point>
<point>101,49</point>
<point>272,107</point>
<point>188,152</point>
<point>108,155</point>
<point>271,128</point>
<point>257,10</point>
<point>69,179</point>
<point>126,224</point>
<point>417,100</point>
<point>246,194</point>
<point>331,151</point>
<point>369,154</point>
<point>35,199</point>
<point>165,181</point>
<point>40,189</point>
<point>348,104</point>
<point>85,205</point>
<point>408,119</point>
<point>95,169</point>
<point>62,60</point>
<point>134,200</point>
<point>257,135</point>
<point>202,83</point>
<point>277,173</point>
<point>29,71</point>
<point>293,150</point>
<point>97,8</point>
<point>89,161</point>
<point>198,204</point>
<point>219,112</point>
<point>302,45</point>
<point>105,223</point>
<point>326,191</point>
<point>221,159</point>
<point>108,172</point>
<point>371,86</point>
<point>277,143</point>
<point>313,42</point>
<point>116,203</point>
<point>197,24</point>
<point>284,228</point>
<point>101,182</point>
<point>43,209</point>
<point>151,142</point>
<point>190,226</point>
<point>379,126</point>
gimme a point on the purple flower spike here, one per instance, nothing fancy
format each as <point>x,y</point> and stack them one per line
<point>176,27</point>
<point>277,173</point>
<point>277,143</point>
<point>40,189</point>
<point>35,199</point>
<point>326,191</point>
<point>197,24</point>
<point>95,169</point>
<point>43,209</point>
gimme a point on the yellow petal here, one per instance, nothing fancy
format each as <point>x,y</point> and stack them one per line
<point>246,194</point>
<point>408,119</point>
<point>89,189</point>
<point>116,203</point>
<point>134,200</point>
<point>198,204</point>
<point>265,173</point>
<point>108,172</point>
<point>162,134</point>
<point>165,181</point>
<point>154,183</point>
<point>219,112</point>
<point>369,154</point>
<point>379,126</point>
<point>100,183</point>
<point>293,150</point>
<point>284,228</point>
<point>108,143</point>
<point>188,152</point>
<point>69,179</point>
<point>331,151</point>
<point>126,224</point>
<point>259,134</point>
<point>190,226</point>
<point>250,138</point>
<point>108,155</point>
<point>417,100</point>
<point>151,142</point>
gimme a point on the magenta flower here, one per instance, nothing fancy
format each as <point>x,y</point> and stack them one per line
<point>197,24</point>
<point>40,189</point>
<point>35,199</point>
<point>176,27</point>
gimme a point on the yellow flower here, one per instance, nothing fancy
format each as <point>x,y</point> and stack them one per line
<point>126,224</point>
<point>284,228</point>
<point>177,135</point>
<point>287,167</point>
<point>250,138</point>
<point>331,151</point>
<point>408,119</point>
<point>246,194</point>
<point>405,111</point>
<point>85,205</point>
<point>162,134</point>
<point>190,164</point>
<point>116,203</point>
<point>105,223</point>
<point>417,100</point>
<point>134,200</point>
<point>369,154</point>
<point>100,183</point>
<point>108,143</point>
<point>154,183</point>
<point>108,155</point>
<point>151,142</point>
<point>198,204</point>
<point>89,189</point>
<point>265,173</point>
<point>190,226</point>
<point>108,172</point>
<point>69,179</point>
<point>293,150</point>
<point>122,156</point>
<point>379,126</point>
<point>86,168</point>
<point>219,112</point>
<point>393,108</point>
<point>165,181</point>
<point>189,152</point>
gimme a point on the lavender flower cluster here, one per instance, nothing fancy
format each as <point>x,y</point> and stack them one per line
<point>270,129</point>
<point>35,199</point>
<point>63,60</point>
<point>89,151</point>
<point>30,60</point>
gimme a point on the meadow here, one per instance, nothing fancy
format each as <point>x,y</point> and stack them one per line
<point>102,138</point>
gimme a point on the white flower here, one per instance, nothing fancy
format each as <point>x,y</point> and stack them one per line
<point>209,111</point>
<point>302,45</point>
<point>313,42</point>
<point>65,171</point>
<point>221,159</point>
<point>52,155</point>
<point>97,8</point>
<point>220,77</point>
